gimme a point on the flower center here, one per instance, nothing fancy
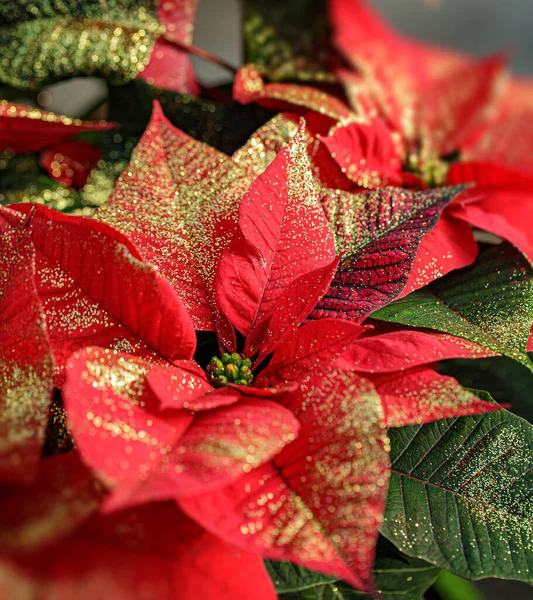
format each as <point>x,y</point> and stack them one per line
<point>230,368</point>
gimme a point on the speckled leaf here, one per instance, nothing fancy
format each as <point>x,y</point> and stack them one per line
<point>460,495</point>
<point>283,237</point>
<point>319,502</point>
<point>43,41</point>
<point>378,234</point>
<point>490,303</point>
<point>26,362</point>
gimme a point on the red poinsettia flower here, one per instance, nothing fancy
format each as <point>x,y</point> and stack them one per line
<point>292,462</point>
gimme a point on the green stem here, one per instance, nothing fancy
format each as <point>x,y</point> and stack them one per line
<point>451,587</point>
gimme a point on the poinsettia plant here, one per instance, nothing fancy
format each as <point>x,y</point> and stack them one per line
<point>254,340</point>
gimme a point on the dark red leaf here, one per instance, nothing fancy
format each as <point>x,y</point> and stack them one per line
<point>379,234</point>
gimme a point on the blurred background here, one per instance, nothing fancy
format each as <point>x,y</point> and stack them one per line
<point>475,26</point>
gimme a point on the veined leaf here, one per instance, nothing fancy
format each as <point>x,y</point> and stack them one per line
<point>378,233</point>
<point>460,495</point>
<point>490,303</point>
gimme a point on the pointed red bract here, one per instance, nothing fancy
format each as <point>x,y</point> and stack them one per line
<point>144,453</point>
<point>25,129</point>
<point>115,418</point>
<point>422,395</point>
<point>26,362</point>
<point>319,503</point>
<point>390,348</point>
<point>284,236</point>
<point>96,290</point>
<point>178,202</point>
<point>416,85</point>
<point>313,346</point>
<point>71,162</point>
<point>448,246</point>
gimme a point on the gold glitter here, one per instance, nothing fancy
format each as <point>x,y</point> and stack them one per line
<point>41,42</point>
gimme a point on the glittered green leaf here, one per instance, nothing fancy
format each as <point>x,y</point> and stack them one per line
<point>288,39</point>
<point>490,303</point>
<point>43,40</point>
<point>397,576</point>
<point>460,495</point>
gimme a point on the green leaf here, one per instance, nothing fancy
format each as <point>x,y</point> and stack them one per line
<point>397,576</point>
<point>44,40</point>
<point>288,39</point>
<point>490,303</point>
<point>460,495</point>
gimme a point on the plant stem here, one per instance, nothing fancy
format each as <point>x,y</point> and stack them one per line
<point>451,587</point>
<point>200,52</point>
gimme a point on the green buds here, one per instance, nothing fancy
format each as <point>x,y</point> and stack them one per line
<point>230,368</point>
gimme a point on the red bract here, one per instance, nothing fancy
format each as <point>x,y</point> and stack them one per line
<point>27,129</point>
<point>250,87</point>
<point>178,203</point>
<point>26,363</point>
<point>96,290</point>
